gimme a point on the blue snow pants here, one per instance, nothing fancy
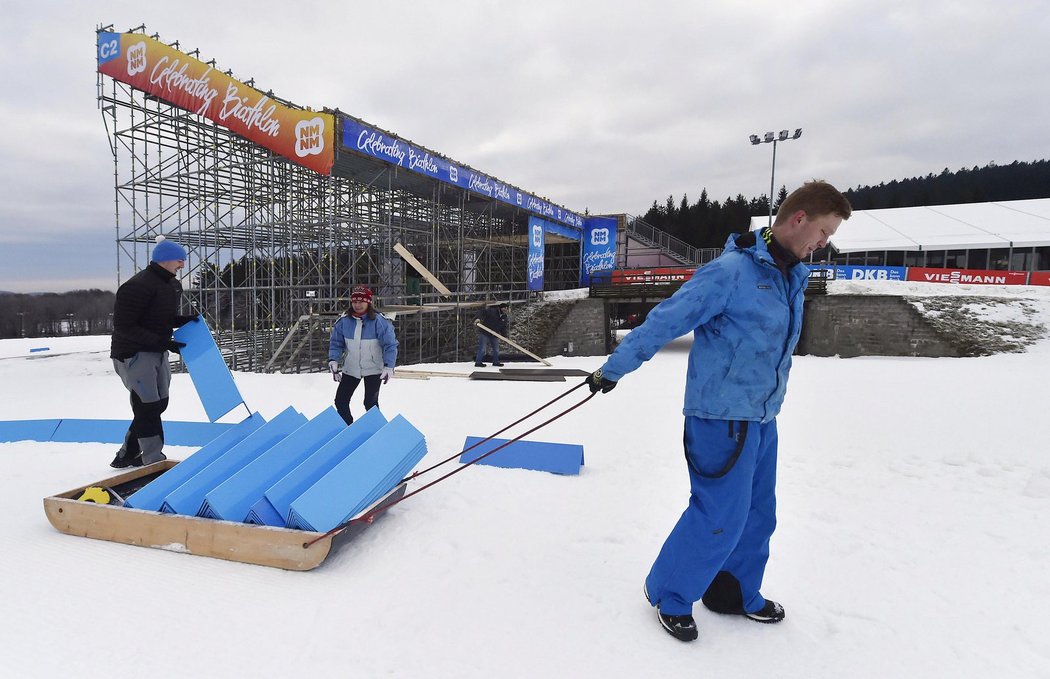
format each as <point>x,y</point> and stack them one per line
<point>730,517</point>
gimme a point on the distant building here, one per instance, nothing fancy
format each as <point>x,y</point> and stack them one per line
<point>1008,235</point>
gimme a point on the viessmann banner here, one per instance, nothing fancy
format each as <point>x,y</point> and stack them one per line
<point>304,137</point>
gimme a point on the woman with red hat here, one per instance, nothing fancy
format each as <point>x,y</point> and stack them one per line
<point>363,347</point>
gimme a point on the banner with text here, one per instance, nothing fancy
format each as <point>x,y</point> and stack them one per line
<point>1039,278</point>
<point>658,274</point>
<point>967,276</point>
<point>868,273</point>
<point>304,137</point>
<point>384,146</point>
<point>536,240</point>
<point>599,247</point>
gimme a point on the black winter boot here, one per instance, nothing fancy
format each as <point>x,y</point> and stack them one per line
<point>723,596</point>
<point>123,460</point>
<point>771,613</point>
<point>681,627</point>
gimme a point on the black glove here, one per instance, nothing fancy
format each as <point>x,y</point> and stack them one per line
<point>596,381</point>
<point>174,347</point>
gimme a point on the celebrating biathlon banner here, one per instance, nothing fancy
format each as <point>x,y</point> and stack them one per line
<point>304,137</point>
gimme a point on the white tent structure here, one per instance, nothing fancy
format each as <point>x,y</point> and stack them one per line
<point>1010,234</point>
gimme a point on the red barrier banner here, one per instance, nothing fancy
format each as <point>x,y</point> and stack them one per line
<point>1039,278</point>
<point>662,274</point>
<point>304,137</point>
<point>967,276</point>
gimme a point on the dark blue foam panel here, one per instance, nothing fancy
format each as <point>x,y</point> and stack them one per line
<point>151,496</point>
<point>282,493</point>
<point>188,499</point>
<point>233,498</point>
<point>370,472</point>
<point>28,430</point>
<point>212,379</point>
<point>559,458</point>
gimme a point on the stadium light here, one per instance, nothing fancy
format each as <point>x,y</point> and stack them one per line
<point>784,135</point>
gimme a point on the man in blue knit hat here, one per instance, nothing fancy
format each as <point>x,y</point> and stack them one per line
<point>144,314</point>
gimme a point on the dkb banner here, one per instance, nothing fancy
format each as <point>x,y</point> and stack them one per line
<point>304,137</point>
<point>599,247</point>
<point>869,273</point>
<point>536,241</point>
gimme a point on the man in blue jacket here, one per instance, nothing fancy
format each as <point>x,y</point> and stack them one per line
<point>745,312</point>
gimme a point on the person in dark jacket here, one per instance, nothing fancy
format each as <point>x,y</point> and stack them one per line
<point>745,312</point>
<point>363,347</point>
<point>494,318</point>
<point>144,314</point>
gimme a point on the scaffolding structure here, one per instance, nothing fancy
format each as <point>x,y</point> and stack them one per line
<point>275,247</point>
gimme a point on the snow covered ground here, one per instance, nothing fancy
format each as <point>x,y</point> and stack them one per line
<point>912,540</point>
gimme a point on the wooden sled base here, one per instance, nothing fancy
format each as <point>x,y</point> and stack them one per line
<point>261,545</point>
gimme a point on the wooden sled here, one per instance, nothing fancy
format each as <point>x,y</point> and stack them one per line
<point>261,545</point>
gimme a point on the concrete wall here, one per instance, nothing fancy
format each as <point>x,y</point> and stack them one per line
<point>581,333</point>
<point>869,325</point>
<point>835,325</point>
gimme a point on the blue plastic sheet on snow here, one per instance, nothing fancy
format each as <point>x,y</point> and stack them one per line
<point>212,379</point>
<point>559,458</point>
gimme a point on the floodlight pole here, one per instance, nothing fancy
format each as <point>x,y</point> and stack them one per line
<point>770,137</point>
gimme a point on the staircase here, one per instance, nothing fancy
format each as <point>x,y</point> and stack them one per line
<point>669,246</point>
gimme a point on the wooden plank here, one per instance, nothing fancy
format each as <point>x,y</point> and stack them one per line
<point>406,375</point>
<point>478,375</point>
<point>246,543</point>
<point>513,344</point>
<point>430,373</point>
<point>565,372</point>
<point>423,271</point>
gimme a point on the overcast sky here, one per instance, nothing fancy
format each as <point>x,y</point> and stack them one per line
<point>598,106</point>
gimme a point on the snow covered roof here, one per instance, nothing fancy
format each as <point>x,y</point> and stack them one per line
<point>1015,223</point>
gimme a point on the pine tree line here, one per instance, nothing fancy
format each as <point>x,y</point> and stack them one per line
<point>707,223</point>
<point>54,314</point>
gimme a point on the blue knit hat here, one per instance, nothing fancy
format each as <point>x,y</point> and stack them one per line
<point>167,250</point>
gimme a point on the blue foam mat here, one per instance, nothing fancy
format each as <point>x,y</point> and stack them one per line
<point>188,499</point>
<point>28,430</point>
<point>233,498</point>
<point>212,379</point>
<point>262,513</point>
<point>112,431</point>
<point>559,458</point>
<point>370,472</point>
<point>151,496</point>
<point>282,493</point>
<point>68,430</point>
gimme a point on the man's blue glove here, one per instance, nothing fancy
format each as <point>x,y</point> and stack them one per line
<point>595,382</point>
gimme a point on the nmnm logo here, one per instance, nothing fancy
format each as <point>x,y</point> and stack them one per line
<point>537,236</point>
<point>600,237</point>
<point>108,47</point>
<point>309,137</point>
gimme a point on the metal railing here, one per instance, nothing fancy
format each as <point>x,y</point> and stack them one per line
<point>673,247</point>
